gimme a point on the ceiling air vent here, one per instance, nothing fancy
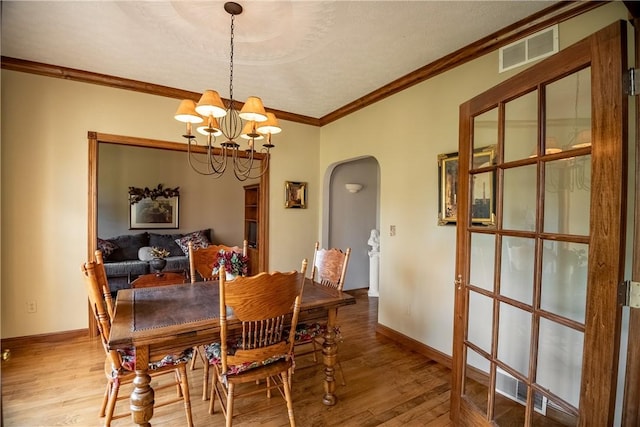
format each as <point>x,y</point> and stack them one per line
<point>536,46</point>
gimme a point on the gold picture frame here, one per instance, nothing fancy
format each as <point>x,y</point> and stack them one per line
<point>483,206</point>
<point>295,194</point>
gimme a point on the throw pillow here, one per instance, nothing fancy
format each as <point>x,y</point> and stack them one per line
<point>198,238</point>
<point>167,241</point>
<point>107,247</point>
<point>144,253</point>
<point>128,246</point>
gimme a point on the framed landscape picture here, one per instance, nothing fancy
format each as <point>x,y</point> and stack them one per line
<point>161,212</point>
<point>483,191</point>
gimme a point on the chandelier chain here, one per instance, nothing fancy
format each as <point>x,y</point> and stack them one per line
<point>231,65</point>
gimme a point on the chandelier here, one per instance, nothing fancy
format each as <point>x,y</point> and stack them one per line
<point>215,119</point>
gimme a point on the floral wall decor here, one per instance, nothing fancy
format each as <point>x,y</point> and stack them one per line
<point>137,194</point>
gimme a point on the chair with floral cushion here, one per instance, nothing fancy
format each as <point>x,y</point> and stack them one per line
<point>253,343</point>
<point>119,365</point>
<point>329,268</point>
<point>203,261</point>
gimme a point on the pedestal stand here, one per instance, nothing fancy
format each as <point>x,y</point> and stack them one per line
<point>374,263</point>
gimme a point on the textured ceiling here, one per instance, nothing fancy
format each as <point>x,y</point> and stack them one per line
<point>304,57</point>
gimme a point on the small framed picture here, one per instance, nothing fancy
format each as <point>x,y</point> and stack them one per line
<point>161,212</point>
<point>295,194</point>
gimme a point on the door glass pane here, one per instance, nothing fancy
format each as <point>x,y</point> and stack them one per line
<point>480,321</point>
<point>482,260</point>
<point>476,380</point>
<point>560,360</point>
<point>567,195</point>
<point>519,198</point>
<point>485,131</point>
<point>568,111</point>
<point>514,337</point>
<point>549,413</point>
<point>518,260</point>
<point>564,279</point>
<point>482,197</point>
<point>511,398</point>
<point>520,127</point>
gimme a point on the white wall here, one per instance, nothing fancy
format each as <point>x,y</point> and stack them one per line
<point>292,232</point>
<point>45,190</point>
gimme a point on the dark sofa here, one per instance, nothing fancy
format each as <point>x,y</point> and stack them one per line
<point>122,255</point>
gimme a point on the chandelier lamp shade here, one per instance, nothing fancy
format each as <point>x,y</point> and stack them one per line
<point>216,119</point>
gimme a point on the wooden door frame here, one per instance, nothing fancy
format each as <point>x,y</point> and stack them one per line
<point>96,138</point>
<point>597,394</point>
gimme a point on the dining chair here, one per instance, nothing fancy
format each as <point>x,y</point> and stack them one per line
<point>120,364</point>
<point>201,263</point>
<point>159,279</point>
<point>328,268</point>
<point>255,312</point>
<point>201,260</point>
<point>101,276</point>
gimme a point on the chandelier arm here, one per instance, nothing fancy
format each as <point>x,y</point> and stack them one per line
<point>245,167</point>
<point>242,167</point>
<point>199,171</point>
<point>220,161</point>
<point>216,165</point>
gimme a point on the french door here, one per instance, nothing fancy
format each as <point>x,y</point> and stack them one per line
<point>540,241</point>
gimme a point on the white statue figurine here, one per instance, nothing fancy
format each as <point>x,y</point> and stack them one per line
<point>374,241</point>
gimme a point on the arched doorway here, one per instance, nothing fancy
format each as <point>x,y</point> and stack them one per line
<point>348,217</point>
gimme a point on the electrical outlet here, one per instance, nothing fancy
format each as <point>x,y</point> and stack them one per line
<point>32,307</point>
<point>392,230</point>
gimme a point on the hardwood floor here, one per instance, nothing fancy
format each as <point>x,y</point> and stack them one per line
<point>63,383</point>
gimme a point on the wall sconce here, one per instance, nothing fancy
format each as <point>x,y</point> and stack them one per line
<point>353,188</point>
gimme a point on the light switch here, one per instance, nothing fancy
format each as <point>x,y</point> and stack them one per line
<point>392,230</point>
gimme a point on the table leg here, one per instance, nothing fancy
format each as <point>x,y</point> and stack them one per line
<point>142,396</point>
<point>329,352</point>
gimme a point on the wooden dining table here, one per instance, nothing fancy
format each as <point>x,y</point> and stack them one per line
<point>167,319</point>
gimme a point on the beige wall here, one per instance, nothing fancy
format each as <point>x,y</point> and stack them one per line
<point>293,232</point>
<point>417,264</point>
<point>44,190</point>
<point>44,187</point>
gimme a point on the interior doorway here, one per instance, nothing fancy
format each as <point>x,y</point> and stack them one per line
<point>351,213</point>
